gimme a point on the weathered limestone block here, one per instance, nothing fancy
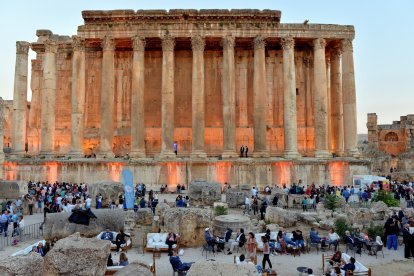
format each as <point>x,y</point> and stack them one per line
<point>9,190</point>
<point>77,256</point>
<point>135,268</point>
<point>234,222</point>
<point>108,189</point>
<point>308,218</point>
<point>280,216</point>
<point>379,210</point>
<point>58,226</point>
<point>145,216</point>
<point>361,216</point>
<point>202,192</point>
<point>189,222</point>
<point>273,227</point>
<point>160,210</point>
<point>235,197</point>
<point>207,268</point>
<point>295,199</point>
<point>326,224</point>
<point>30,264</point>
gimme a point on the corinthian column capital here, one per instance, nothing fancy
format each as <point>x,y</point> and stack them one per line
<point>228,42</point>
<point>259,43</point>
<point>346,45</point>
<point>51,46</point>
<point>336,52</point>
<point>78,43</point>
<point>22,47</point>
<point>168,43</point>
<point>198,43</point>
<point>319,43</point>
<point>287,43</point>
<point>138,43</point>
<point>108,44</point>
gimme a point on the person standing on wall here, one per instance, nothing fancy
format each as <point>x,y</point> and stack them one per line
<point>175,148</point>
<point>242,151</point>
<point>246,149</point>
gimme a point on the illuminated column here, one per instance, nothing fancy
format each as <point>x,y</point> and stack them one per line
<point>336,102</point>
<point>229,98</point>
<point>320,99</point>
<point>78,96</point>
<point>259,98</point>
<point>107,97</point>
<point>289,99</point>
<point>20,98</point>
<point>167,97</point>
<point>48,98</point>
<point>137,98</point>
<point>198,109</point>
<point>349,99</point>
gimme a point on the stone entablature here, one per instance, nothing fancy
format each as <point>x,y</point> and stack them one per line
<point>213,80</point>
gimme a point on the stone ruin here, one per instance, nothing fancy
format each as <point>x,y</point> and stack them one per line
<point>202,192</point>
<point>235,196</point>
<point>110,190</point>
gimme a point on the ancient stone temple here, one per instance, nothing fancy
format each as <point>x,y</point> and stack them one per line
<point>131,84</point>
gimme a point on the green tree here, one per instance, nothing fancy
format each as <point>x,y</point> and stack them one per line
<point>332,202</point>
<point>387,198</point>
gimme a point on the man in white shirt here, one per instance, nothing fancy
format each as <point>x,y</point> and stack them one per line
<point>88,203</point>
<point>247,205</point>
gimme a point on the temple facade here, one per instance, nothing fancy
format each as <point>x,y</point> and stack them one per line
<point>132,83</point>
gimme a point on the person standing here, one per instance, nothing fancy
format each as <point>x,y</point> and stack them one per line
<point>241,151</point>
<point>251,246</point>
<point>246,150</point>
<point>392,230</point>
<point>408,242</point>
<point>175,148</point>
<point>99,201</point>
<point>266,253</point>
<point>30,201</point>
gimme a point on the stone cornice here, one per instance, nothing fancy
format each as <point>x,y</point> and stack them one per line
<point>190,15</point>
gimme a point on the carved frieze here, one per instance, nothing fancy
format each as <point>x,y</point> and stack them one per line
<point>288,43</point>
<point>168,43</point>
<point>198,43</point>
<point>22,47</point>
<point>138,43</point>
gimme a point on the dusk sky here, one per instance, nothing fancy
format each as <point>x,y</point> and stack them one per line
<point>383,47</point>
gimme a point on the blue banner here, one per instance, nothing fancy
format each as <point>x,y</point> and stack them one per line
<point>128,188</point>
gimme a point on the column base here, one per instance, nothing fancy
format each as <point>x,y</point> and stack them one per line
<point>229,154</point>
<point>291,155</point>
<point>324,154</point>
<point>258,154</point>
<point>106,154</point>
<point>353,153</point>
<point>198,154</point>
<point>137,154</point>
<point>167,155</point>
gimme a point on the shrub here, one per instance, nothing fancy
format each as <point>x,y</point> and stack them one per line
<point>341,225</point>
<point>332,202</point>
<point>375,230</point>
<point>387,198</point>
<point>220,210</point>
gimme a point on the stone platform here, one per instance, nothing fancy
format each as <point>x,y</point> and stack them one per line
<point>234,222</point>
<point>257,172</point>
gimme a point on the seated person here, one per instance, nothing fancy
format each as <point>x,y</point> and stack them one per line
<point>353,241</point>
<point>123,259</point>
<point>288,240</point>
<point>120,239</point>
<point>171,240</point>
<point>107,235</point>
<point>333,238</point>
<point>40,249</point>
<point>298,239</point>
<point>242,261</point>
<point>211,241</point>
<point>240,241</point>
<point>281,244</point>
<point>336,258</point>
<point>314,236</point>
<point>176,263</point>
<point>227,235</point>
<point>349,266</point>
<point>110,262</point>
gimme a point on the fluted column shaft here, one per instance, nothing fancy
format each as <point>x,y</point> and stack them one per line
<point>320,99</point>
<point>78,96</point>
<point>198,102</point>
<point>48,98</point>
<point>349,99</point>
<point>107,97</point>
<point>20,98</point>
<point>289,99</point>
<point>259,98</point>
<point>137,98</point>
<point>167,97</point>
<point>229,98</point>
<point>336,103</point>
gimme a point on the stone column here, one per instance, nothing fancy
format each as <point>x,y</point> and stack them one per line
<point>167,97</point>
<point>1,137</point>
<point>259,98</point>
<point>289,99</point>
<point>229,98</point>
<point>107,97</point>
<point>320,99</point>
<point>78,96</point>
<point>48,98</point>
<point>20,98</point>
<point>336,103</point>
<point>137,98</point>
<point>349,99</point>
<point>198,102</point>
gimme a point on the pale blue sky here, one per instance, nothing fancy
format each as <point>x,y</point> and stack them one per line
<point>384,59</point>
